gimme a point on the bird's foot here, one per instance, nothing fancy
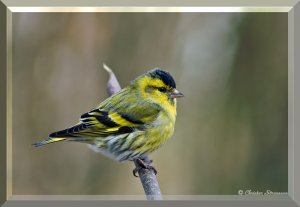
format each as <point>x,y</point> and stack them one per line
<point>141,164</point>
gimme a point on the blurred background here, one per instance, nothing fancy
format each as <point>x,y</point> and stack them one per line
<point>232,128</point>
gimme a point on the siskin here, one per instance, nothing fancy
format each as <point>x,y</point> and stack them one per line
<point>130,124</point>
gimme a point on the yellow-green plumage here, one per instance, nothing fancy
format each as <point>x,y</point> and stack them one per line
<point>130,124</point>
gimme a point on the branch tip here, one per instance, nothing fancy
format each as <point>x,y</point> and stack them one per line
<point>113,85</point>
<point>107,68</point>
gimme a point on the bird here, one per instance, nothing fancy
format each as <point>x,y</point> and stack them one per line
<point>130,124</point>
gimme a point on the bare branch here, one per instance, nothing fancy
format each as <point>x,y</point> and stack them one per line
<point>113,85</point>
<point>147,177</point>
<point>149,182</point>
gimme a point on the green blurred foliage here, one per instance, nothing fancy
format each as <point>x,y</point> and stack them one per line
<point>232,127</point>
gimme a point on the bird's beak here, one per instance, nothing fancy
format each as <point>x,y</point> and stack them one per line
<point>175,94</point>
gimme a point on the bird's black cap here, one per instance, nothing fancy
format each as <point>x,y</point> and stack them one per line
<point>164,76</point>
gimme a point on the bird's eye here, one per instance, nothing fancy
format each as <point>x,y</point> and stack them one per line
<point>162,89</point>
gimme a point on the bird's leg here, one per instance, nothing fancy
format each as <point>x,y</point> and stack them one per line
<point>143,164</point>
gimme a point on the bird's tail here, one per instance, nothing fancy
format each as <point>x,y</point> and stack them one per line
<point>48,141</point>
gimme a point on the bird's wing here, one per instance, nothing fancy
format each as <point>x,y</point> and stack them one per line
<point>112,118</point>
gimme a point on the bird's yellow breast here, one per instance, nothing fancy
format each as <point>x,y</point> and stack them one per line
<point>161,130</point>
